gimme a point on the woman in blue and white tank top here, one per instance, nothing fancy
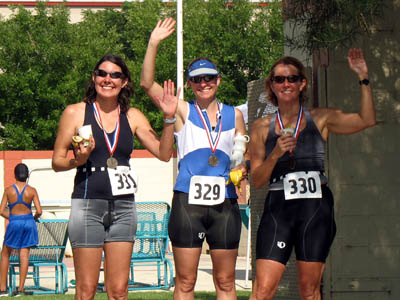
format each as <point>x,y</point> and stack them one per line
<point>204,206</point>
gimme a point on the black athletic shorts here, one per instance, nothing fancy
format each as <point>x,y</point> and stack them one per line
<point>308,225</point>
<point>190,224</point>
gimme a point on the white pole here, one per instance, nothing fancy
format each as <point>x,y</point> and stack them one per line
<point>248,252</point>
<point>179,36</point>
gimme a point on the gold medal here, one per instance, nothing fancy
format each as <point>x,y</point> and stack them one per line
<point>213,160</point>
<point>112,162</point>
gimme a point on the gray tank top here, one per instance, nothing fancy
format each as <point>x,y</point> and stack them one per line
<point>309,153</point>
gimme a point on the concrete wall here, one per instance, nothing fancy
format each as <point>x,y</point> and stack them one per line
<point>365,259</point>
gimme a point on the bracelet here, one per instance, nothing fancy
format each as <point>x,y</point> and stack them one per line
<point>170,121</point>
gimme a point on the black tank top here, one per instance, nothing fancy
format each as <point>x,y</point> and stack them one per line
<point>309,153</point>
<point>96,184</point>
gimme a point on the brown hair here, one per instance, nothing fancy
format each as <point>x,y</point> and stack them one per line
<point>286,60</point>
<point>125,93</point>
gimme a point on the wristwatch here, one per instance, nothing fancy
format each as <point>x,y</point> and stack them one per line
<point>364,81</point>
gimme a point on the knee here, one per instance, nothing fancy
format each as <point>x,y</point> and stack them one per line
<point>117,292</point>
<point>86,291</point>
<point>185,283</point>
<point>309,291</point>
<point>225,283</point>
<point>263,291</point>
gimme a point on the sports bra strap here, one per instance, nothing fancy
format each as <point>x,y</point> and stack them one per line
<point>20,198</point>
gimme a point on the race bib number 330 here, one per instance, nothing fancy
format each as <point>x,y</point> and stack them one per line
<point>302,185</point>
<point>207,190</point>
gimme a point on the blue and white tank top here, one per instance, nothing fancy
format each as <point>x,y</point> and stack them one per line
<point>194,148</point>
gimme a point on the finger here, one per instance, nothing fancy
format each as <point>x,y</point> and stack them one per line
<point>178,92</point>
<point>171,86</point>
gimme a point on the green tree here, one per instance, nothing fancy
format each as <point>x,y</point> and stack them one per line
<point>45,61</point>
<point>329,23</point>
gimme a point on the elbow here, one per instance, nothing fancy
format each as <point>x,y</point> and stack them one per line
<point>145,85</point>
<point>55,167</point>
<point>256,183</point>
<point>165,158</point>
<point>371,123</point>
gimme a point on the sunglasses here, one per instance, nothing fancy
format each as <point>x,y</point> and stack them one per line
<point>290,78</point>
<point>207,78</point>
<point>113,75</point>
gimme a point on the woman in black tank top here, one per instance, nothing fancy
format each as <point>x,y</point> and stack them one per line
<point>285,147</point>
<point>107,152</point>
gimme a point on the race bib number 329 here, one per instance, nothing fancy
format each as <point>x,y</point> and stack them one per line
<point>302,185</point>
<point>207,190</point>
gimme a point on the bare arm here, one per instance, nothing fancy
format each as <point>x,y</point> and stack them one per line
<point>36,202</point>
<point>161,148</point>
<point>162,30</point>
<point>262,166</point>
<point>339,122</point>
<point>3,206</point>
<point>71,120</point>
<point>240,128</point>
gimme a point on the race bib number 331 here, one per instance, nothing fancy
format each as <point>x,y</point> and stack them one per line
<point>302,185</point>
<point>123,180</point>
<point>207,190</point>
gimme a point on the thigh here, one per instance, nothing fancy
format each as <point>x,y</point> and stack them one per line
<point>275,235</point>
<point>186,223</point>
<point>123,228</point>
<point>117,256</point>
<point>309,276</point>
<point>224,262</point>
<point>224,225</point>
<point>317,229</point>
<point>186,262</point>
<point>85,226</point>
<point>87,265</point>
<point>268,275</point>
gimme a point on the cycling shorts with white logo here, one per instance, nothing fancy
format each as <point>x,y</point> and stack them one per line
<point>308,225</point>
<point>190,224</point>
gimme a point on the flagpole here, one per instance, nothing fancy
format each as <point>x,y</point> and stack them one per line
<point>179,37</point>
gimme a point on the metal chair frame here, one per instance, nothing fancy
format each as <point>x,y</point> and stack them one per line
<point>53,237</point>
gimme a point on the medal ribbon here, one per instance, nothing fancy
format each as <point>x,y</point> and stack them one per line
<point>298,123</point>
<point>113,147</point>
<point>213,143</point>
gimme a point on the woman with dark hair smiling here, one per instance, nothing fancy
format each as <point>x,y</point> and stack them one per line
<point>204,206</point>
<point>287,152</point>
<point>103,213</point>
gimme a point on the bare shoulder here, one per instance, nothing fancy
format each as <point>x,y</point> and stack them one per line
<point>75,108</point>
<point>31,189</point>
<point>136,118</point>
<point>9,189</point>
<point>261,123</point>
<point>260,128</point>
<point>133,114</point>
<point>74,114</point>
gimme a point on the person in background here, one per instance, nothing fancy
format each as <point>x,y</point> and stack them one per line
<point>204,207</point>
<point>103,214</point>
<point>21,233</point>
<point>287,152</point>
